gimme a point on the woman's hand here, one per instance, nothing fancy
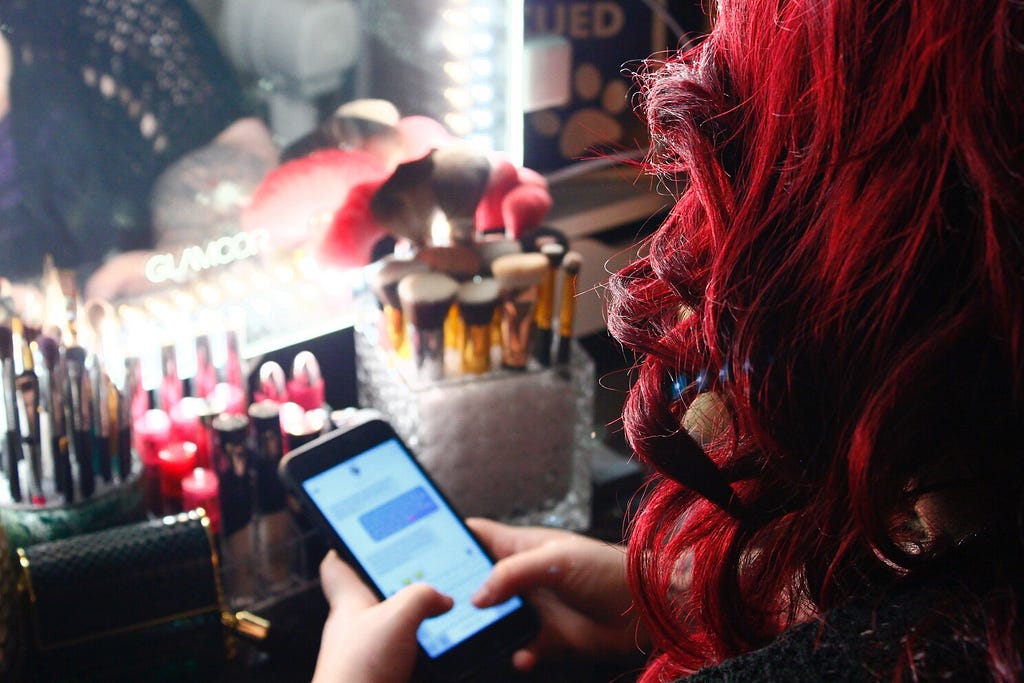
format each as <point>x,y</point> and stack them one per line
<point>365,639</point>
<point>577,584</point>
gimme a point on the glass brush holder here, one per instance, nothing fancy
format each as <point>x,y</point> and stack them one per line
<point>507,444</point>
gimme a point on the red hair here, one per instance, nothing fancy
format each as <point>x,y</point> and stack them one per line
<point>845,262</point>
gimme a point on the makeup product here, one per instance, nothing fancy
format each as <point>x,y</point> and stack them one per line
<point>524,208</point>
<point>544,335</point>
<point>491,248</point>
<point>200,489</point>
<point>459,179</point>
<point>456,261</point>
<point>205,377</point>
<point>152,435</point>
<point>426,299</point>
<point>383,280</point>
<point>171,387</point>
<point>519,276</point>
<point>571,265</point>
<point>228,398</point>
<point>53,383</point>
<point>273,520</point>
<point>176,460</point>
<point>78,414</point>
<point>12,435</point>
<point>477,302</point>
<point>102,429</point>
<point>186,425</point>
<point>121,432</point>
<point>232,461</point>
<point>301,426</point>
<point>27,388</point>
<point>273,383</point>
<point>233,373</point>
<point>306,386</point>
<point>405,203</point>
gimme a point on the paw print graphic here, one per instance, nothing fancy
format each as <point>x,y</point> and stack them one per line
<point>592,125</point>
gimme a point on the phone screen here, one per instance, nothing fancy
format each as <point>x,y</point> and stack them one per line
<point>401,531</point>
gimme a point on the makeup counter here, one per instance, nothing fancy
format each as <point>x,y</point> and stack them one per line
<point>141,507</point>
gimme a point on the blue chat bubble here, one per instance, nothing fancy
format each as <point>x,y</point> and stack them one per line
<point>397,513</point>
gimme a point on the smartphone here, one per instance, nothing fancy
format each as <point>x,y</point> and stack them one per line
<point>382,512</point>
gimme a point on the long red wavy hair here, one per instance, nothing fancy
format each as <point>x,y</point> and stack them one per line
<point>844,268</point>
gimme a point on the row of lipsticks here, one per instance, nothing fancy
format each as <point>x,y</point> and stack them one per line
<point>447,307</point>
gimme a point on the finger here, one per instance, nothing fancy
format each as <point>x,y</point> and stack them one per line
<point>503,540</point>
<point>524,660</point>
<point>341,584</point>
<point>414,603</point>
<point>543,566</point>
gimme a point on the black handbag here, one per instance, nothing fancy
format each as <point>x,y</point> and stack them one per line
<point>136,602</point>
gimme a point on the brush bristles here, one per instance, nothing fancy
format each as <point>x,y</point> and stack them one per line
<point>554,252</point>
<point>516,271</point>
<point>459,262</point>
<point>572,263</point>
<point>459,178</point>
<point>384,281</point>
<point>426,298</point>
<point>477,301</point>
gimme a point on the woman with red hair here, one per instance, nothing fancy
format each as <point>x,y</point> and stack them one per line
<point>837,300</point>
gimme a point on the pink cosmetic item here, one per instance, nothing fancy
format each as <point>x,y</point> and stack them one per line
<point>306,386</point>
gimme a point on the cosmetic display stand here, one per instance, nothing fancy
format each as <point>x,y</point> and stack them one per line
<point>508,444</point>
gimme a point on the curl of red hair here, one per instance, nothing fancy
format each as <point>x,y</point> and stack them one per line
<point>848,245</point>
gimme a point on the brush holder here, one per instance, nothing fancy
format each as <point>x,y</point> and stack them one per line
<point>507,444</point>
<point>111,505</point>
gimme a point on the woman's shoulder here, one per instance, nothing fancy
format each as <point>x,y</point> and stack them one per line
<point>905,634</point>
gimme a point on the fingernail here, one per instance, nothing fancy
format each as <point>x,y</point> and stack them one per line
<point>482,596</point>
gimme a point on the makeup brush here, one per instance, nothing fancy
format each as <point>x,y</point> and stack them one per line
<point>78,415</point>
<point>383,280</point>
<point>98,315</point>
<point>426,299</point>
<point>12,435</point>
<point>457,261</point>
<point>571,265</point>
<point>357,124</point>
<point>405,203</point>
<point>52,386</point>
<point>554,252</point>
<point>491,248</point>
<point>477,302</point>
<point>459,178</point>
<point>519,276</point>
<point>27,387</point>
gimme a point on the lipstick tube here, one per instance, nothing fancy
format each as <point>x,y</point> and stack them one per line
<point>306,386</point>
<point>273,383</point>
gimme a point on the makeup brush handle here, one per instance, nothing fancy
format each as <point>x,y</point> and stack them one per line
<point>12,454</point>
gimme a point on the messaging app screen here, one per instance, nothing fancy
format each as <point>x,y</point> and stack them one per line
<point>400,531</point>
